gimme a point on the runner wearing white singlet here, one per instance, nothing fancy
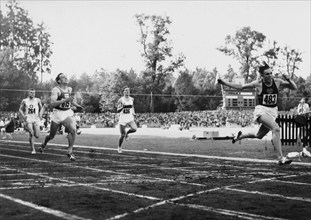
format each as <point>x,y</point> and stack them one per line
<point>30,109</point>
<point>125,108</point>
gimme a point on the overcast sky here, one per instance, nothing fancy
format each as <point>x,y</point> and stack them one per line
<point>89,35</point>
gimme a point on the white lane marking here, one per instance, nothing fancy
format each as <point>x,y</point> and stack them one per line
<point>161,179</point>
<point>86,184</point>
<point>270,194</point>
<point>11,174</point>
<point>292,182</point>
<point>130,174</point>
<point>179,198</point>
<point>105,171</point>
<point>177,154</point>
<point>242,215</point>
<point>176,199</point>
<point>46,185</point>
<point>56,213</point>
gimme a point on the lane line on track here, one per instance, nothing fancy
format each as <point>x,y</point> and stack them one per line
<point>229,212</point>
<point>291,182</point>
<point>177,154</point>
<point>302,199</point>
<point>241,215</point>
<point>174,201</point>
<point>88,185</point>
<point>46,185</point>
<point>101,170</point>
<point>53,212</point>
<point>161,179</point>
<point>187,169</point>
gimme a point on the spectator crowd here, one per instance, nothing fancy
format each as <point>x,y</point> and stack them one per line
<point>185,119</point>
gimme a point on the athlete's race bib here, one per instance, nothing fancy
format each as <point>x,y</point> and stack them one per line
<point>31,110</point>
<point>65,104</point>
<point>126,111</point>
<point>269,99</point>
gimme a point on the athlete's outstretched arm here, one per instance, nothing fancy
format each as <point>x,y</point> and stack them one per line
<point>237,86</point>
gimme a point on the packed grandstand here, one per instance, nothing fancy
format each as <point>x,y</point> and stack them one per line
<point>185,119</point>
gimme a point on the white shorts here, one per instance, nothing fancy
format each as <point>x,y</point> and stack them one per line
<point>32,119</point>
<point>59,116</point>
<point>125,119</point>
<point>262,110</point>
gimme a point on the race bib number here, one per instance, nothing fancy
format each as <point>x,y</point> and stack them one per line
<point>65,104</point>
<point>126,111</point>
<point>269,99</point>
<point>31,109</point>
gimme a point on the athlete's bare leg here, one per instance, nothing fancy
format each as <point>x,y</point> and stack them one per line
<point>121,138</point>
<point>70,124</point>
<point>31,137</point>
<point>269,122</point>
<point>53,130</point>
<point>133,129</point>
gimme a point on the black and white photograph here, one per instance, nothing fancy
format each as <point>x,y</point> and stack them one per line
<point>155,110</point>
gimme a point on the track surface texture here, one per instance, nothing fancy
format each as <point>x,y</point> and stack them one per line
<point>150,181</point>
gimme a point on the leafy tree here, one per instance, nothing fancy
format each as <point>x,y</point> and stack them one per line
<point>209,95</point>
<point>42,51</point>
<point>30,43</point>
<point>167,101</point>
<point>103,83</point>
<point>201,79</point>
<point>292,59</point>
<point>289,63</point>
<point>231,74</point>
<point>186,91</point>
<point>272,52</point>
<point>150,93</point>
<point>245,46</point>
<point>157,49</point>
<point>5,65</point>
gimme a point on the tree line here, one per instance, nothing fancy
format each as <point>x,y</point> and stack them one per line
<point>165,85</point>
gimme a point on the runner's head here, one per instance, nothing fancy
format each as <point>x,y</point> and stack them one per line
<point>31,93</point>
<point>61,78</point>
<point>265,69</point>
<point>126,90</point>
<point>266,73</point>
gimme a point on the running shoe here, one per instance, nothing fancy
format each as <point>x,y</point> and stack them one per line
<point>237,137</point>
<point>126,137</point>
<point>119,150</point>
<point>71,156</point>
<point>305,152</point>
<point>33,152</point>
<point>284,161</point>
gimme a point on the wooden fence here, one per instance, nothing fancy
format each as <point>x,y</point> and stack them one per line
<point>290,130</point>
